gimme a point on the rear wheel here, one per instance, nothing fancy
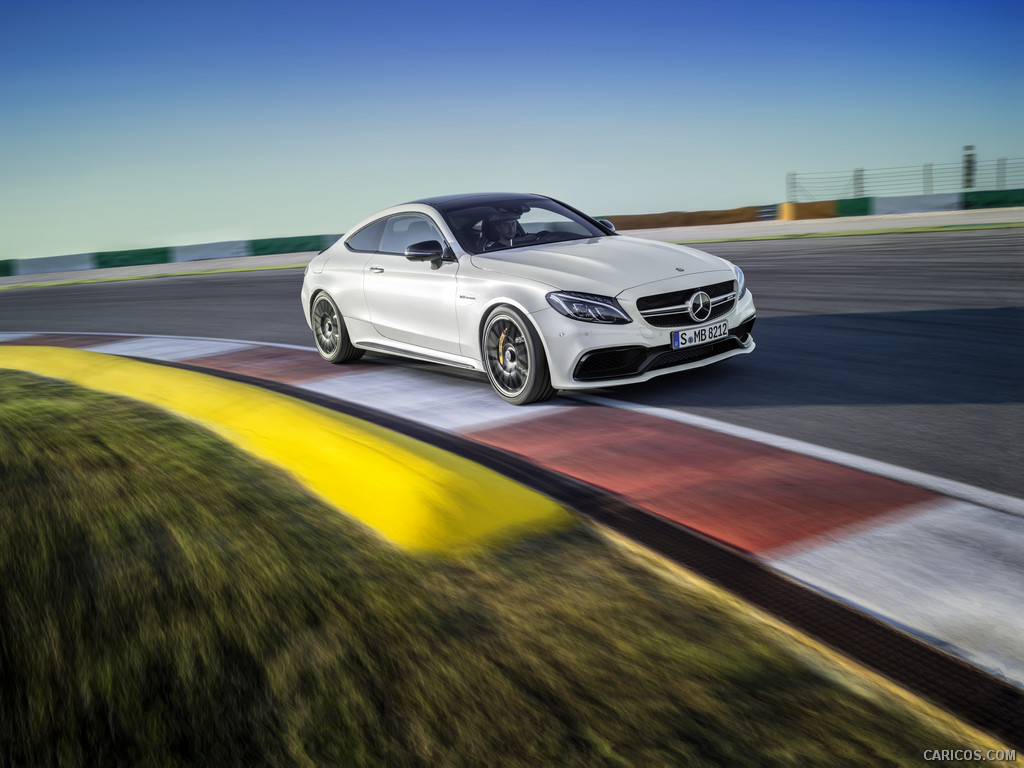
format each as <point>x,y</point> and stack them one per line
<point>329,332</point>
<point>514,358</point>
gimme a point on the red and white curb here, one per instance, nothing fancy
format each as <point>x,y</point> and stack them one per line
<point>942,560</point>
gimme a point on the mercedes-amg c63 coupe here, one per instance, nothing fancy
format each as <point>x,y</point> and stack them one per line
<point>531,291</point>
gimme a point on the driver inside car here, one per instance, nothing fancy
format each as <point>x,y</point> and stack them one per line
<point>499,230</point>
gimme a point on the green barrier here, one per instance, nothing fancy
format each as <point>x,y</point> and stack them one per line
<point>999,198</point>
<point>274,245</point>
<point>854,206</point>
<point>326,241</point>
<point>6,268</point>
<point>133,258</point>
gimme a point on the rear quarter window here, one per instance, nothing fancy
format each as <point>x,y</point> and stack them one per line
<point>368,238</point>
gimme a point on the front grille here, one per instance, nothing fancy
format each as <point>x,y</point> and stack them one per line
<point>623,362</point>
<point>654,308</point>
<point>693,354</point>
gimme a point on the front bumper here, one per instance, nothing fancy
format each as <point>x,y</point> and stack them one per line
<point>587,355</point>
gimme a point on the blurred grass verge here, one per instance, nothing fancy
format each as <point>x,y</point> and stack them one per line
<point>170,600</point>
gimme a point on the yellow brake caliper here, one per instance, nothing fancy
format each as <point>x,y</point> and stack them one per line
<point>501,345</point>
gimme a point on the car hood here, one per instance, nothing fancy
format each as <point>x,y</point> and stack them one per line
<point>604,265</point>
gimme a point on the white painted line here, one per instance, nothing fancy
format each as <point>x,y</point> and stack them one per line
<point>15,336</point>
<point>941,485</point>
<point>166,349</point>
<point>429,398</point>
<point>954,575</point>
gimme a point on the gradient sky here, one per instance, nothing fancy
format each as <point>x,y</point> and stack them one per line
<point>150,123</point>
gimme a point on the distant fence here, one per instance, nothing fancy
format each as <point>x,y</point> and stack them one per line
<point>928,179</point>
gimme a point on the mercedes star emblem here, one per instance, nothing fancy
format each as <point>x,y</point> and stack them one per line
<point>700,306</point>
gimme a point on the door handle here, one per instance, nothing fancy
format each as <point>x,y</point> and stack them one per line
<point>378,270</point>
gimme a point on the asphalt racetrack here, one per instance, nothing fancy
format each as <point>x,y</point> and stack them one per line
<point>903,348</point>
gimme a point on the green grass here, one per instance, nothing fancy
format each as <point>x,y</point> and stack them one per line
<point>168,600</point>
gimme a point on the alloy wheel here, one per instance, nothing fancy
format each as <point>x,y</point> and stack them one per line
<point>508,356</point>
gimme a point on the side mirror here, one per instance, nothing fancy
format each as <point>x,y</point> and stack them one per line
<point>606,224</point>
<point>428,250</point>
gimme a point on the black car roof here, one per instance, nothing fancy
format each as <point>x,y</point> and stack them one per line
<point>478,198</point>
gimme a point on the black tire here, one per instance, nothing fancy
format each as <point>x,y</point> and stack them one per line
<point>329,332</point>
<point>514,358</point>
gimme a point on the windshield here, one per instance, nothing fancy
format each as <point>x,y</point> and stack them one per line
<point>515,222</point>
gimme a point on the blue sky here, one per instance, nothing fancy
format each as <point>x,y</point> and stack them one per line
<point>136,124</point>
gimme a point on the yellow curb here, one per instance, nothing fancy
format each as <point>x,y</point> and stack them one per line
<point>418,496</point>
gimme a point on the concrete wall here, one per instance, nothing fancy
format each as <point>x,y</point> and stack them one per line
<point>52,264</point>
<point>917,203</point>
<point>226,250</point>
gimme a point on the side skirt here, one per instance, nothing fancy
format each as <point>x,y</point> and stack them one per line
<point>456,362</point>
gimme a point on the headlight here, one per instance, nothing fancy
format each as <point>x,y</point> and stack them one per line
<point>588,307</point>
<point>741,282</point>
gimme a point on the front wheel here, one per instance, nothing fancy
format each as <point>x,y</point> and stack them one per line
<point>329,332</point>
<point>514,358</point>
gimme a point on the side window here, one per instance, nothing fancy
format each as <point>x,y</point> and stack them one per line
<point>405,229</point>
<point>368,238</point>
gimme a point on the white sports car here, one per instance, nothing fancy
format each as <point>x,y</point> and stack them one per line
<point>527,289</point>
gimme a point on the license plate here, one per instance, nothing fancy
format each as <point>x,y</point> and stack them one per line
<point>702,335</point>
